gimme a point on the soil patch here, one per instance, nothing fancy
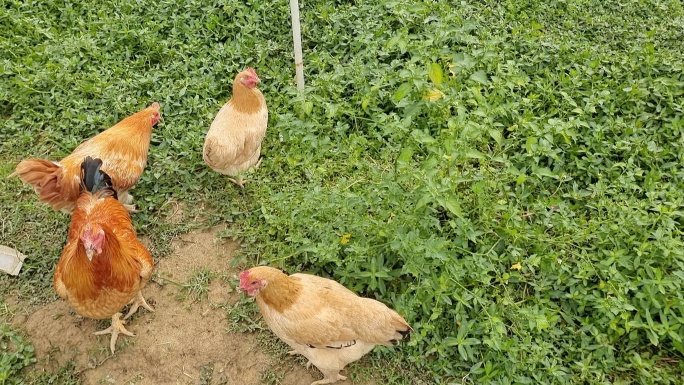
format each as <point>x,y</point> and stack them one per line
<point>187,340</point>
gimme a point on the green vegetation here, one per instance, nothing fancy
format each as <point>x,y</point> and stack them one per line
<point>506,174</point>
<point>16,353</point>
<point>197,287</point>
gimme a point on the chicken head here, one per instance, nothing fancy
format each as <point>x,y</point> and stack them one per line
<point>251,285</point>
<point>92,241</point>
<point>249,78</point>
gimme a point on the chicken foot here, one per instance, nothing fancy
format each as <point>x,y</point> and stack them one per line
<point>241,182</point>
<point>136,303</point>
<point>116,328</point>
<point>127,200</point>
<point>329,377</point>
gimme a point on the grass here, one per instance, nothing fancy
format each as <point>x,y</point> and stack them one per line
<point>504,174</point>
<point>197,287</point>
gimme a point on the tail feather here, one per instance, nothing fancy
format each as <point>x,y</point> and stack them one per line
<point>401,327</point>
<point>34,171</point>
<point>93,179</point>
<point>46,178</point>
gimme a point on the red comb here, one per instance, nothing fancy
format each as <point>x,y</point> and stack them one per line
<point>252,72</point>
<point>244,276</point>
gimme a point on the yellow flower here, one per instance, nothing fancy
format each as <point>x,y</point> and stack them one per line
<point>433,95</point>
<point>452,70</point>
<point>345,239</point>
<point>516,266</point>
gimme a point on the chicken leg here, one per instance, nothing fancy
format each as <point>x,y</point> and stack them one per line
<point>136,303</point>
<point>329,377</point>
<point>239,181</point>
<point>116,328</point>
<point>127,200</point>
<point>294,352</point>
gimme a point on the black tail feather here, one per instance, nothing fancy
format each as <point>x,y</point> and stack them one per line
<point>93,179</point>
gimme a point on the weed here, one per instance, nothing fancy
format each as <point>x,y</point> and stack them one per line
<point>197,287</point>
<point>269,377</point>
<point>244,317</point>
<point>206,373</point>
<point>64,376</point>
<point>16,353</point>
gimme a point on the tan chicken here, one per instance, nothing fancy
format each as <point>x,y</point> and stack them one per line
<point>233,143</point>
<point>321,319</point>
<point>103,266</point>
<point>122,148</point>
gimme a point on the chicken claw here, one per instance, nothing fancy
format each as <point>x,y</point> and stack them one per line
<point>136,303</point>
<point>329,378</point>
<point>131,208</point>
<point>127,200</point>
<point>116,328</point>
<point>240,182</point>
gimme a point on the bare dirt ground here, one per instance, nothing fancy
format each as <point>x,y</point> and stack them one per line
<point>187,340</point>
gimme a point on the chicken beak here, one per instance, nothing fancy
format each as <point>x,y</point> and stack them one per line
<point>90,251</point>
<point>251,293</point>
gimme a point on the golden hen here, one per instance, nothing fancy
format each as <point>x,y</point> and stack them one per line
<point>103,266</point>
<point>321,319</point>
<point>233,143</point>
<point>122,148</point>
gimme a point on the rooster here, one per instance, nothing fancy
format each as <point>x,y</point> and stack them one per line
<point>321,319</point>
<point>122,148</point>
<point>233,143</point>
<point>103,266</point>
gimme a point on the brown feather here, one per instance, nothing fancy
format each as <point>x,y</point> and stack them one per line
<point>245,100</point>
<point>47,180</point>
<point>102,287</point>
<point>282,291</point>
<point>123,149</point>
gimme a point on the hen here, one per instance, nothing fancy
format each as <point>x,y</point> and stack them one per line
<point>321,319</point>
<point>122,148</point>
<point>103,266</point>
<point>233,143</point>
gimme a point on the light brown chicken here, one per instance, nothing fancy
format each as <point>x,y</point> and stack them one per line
<point>123,149</point>
<point>233,143</point>
<point>321,319</point>
<point>103,266</point>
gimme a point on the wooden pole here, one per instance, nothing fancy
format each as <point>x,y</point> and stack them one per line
<point>297,36</point>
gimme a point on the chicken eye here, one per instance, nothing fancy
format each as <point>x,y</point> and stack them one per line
<point>254,282</point>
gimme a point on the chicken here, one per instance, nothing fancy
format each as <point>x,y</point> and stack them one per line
<point>321,319</point>
<point>233,143</point>
<point>122,148</point>
<point>103,266</point>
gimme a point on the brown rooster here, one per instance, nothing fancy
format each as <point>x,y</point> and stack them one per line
<point>233,143</point>
<point>103,266</point>
<point>122,148</point>
<point>321,319</point>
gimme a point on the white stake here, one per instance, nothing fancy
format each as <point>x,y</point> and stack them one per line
<point>297,36</point>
